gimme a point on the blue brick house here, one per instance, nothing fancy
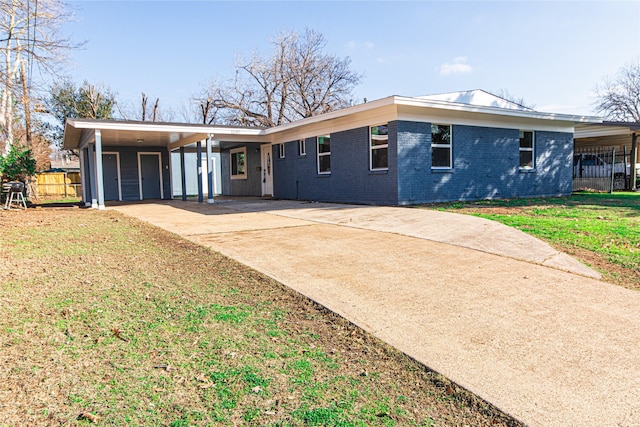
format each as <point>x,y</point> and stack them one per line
<point>393,151</point>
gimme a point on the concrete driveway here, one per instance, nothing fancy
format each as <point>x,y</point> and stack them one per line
<point>502,314</point>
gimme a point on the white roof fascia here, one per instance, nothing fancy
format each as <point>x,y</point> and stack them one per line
<point>161,127</point>
<point>390,100</point>
<point>601,130</point>
<point>445,105</point>
<point>502,117</point>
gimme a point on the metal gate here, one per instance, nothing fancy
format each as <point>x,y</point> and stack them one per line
<point>601,169</point>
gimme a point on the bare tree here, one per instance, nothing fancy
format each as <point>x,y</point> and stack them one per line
<point>505,94</point>
<point>145,109</point>
<point>298,80</point>
<point>618,98</point>
<point>29,37</point>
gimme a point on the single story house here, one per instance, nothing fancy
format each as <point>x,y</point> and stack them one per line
<point>392,151</point>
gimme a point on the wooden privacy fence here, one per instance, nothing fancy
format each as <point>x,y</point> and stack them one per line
<point>65,184</point>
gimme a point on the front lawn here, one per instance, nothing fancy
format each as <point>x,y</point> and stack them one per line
<point>109,320</point>
<point>602,230</point>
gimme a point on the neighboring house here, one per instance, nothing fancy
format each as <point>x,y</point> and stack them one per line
<point>393,151</point>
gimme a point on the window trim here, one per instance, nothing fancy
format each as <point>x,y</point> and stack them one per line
<point>302,148</point>
<point>319,154</point>
<point>449,146</point>
<point>531,149</point>
<point>281,151</point>
<point>378,147</point>
<point>233,151</point>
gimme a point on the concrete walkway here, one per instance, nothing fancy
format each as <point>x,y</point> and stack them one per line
<point>498,312</point>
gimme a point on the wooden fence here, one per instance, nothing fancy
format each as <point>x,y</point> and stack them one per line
<point>65,184</point>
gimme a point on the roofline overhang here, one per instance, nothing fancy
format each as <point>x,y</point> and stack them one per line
<point>594,130</point>
<point>433,104</point>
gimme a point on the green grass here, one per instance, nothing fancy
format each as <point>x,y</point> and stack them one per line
<point>106,315</point>
<point>605,224</point>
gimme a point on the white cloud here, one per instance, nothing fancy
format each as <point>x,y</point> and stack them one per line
<point>457,66</point>
<point>356,45</point>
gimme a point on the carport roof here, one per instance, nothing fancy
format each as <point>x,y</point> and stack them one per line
<point>79,132</point>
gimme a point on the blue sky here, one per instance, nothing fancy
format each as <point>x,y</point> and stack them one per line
<point>551,53</point>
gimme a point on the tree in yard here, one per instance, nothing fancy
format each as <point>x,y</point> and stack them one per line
<point>618,98</point>
<point>85,102</point>
<point>18,164</point>
<point>298,80</point>
<point>29,38</point>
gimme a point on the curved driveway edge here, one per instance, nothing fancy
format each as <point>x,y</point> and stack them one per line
<point>549,347</point>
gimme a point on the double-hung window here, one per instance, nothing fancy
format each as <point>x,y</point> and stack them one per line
<point>527,150</point>
<point>238,159</point>
<point>281,150</point>
<point>378,147</point>
<point>302,149</point>
<point>324,154</point>
<point>441,153</point>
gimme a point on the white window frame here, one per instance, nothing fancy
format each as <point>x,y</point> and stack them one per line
<point>302,148</point>
<point>319,154</point>
<point>233,151</point>
<point>372,148</point>
<point>449,146</point>
<point>281,151</point>
<point>531,149</point>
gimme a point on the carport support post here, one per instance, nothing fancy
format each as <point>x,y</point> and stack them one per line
<point>199,160</point>
<point>183,178</point>
<point>99,176</point>
<point>634,160</point>
<point>83,178</point>
<point>209,171</point>
<point>91,153</point>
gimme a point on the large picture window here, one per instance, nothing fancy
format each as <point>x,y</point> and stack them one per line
<point>378,147</point>
<point>238,163</point>
<point>441,157</point>
<point>527,150</point>
<point>324,154</point>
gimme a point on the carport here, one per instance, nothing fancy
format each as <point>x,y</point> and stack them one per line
<point>621,136</point>
<point>131,160</point>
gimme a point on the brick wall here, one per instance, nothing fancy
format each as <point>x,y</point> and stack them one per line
<point>296,177</point>
<point>485,165</point>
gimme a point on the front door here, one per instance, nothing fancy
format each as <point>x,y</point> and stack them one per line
<point>267,170</point>
<point>150,175</point>
<point>111,174</point>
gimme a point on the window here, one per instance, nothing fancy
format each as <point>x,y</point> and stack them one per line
<point>378,147</point>
<point>238,159</point>
<point>324,154</point>
<point>441,147</point>
<point>302,150</point>
<point>281,150</point>
<point>527,146</point>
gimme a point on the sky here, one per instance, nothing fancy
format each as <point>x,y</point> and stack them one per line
<point>550,53</point>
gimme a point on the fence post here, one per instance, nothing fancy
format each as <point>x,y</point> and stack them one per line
<point>613,168</point>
